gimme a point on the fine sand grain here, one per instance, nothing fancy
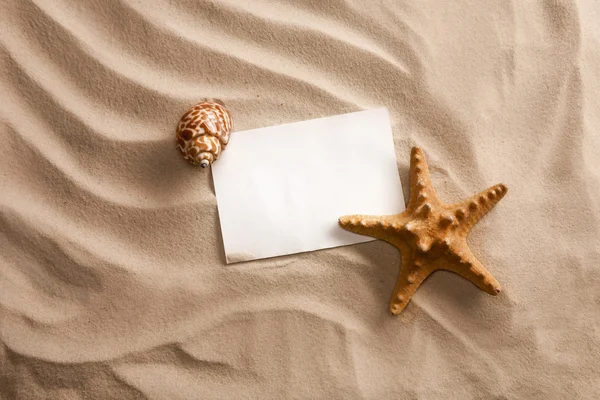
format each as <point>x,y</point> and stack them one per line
<point>113,282</point>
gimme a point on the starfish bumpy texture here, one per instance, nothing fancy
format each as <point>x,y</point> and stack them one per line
<point>430,235</point>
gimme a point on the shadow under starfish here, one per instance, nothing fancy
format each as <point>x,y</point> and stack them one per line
<point>430,235</point>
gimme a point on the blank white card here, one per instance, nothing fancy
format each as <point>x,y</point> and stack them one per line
<point>280,190</point>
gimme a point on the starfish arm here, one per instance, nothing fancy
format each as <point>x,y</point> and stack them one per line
<point>412,274</point>
<point>421,188</point>
<point>471,210</point>
<point>470,268</point>
<point>379,227</point>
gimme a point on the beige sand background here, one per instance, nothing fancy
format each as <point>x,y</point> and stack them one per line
<point>113,283</point>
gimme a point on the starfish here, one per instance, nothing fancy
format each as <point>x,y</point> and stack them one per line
<point>430,235</point>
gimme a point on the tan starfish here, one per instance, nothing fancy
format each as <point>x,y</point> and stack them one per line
<point>430,235</point>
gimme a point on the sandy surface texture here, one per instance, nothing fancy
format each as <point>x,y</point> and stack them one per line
<point>113,282</point>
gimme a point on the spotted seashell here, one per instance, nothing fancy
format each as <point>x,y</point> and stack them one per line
<point>203,132</point>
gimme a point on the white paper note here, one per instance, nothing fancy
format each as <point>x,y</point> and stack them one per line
<point>280,190</point>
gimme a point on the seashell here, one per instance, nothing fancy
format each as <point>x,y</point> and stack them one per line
<point>203,132</point>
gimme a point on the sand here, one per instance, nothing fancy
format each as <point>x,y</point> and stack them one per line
<point>113,282</point>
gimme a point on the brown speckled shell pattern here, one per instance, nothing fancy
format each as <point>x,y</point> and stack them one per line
<point>203,132</point>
